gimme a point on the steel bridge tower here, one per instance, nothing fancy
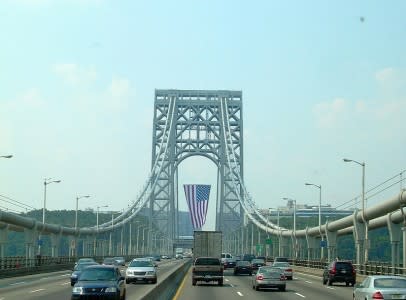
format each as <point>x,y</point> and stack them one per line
<point>206,123</point>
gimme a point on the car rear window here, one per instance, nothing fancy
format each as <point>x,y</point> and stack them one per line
<point>344,266</point>
<point>207,261</point>
<point>390,283</point>
<point>243,263</point>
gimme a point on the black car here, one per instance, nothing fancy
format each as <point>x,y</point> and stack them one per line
<point>339,271</point>
<point>243,267</point>
<point>100,282</point>
<point>256,263</point>
<point>78,270</point>
<point>248,257</point>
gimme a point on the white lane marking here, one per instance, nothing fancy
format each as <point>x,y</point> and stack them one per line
<point>16,283</point>
<point>64,275</point>
<point>240,294</point>
<point>327,287</point>
<point>230,285</point>
<point>300,295</point>
<point>35,291</point>
<point>2,298</point>
<point>65,283</point>
<point>44,278</point>
<point>227,279</point>
<point>308,281</point>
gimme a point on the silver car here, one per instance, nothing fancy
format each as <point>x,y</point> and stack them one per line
<point>269,277</point>
<point>381,287</point>
<point>141,270</point>
<point>286,267</point>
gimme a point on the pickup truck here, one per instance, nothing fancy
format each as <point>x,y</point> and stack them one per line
<point>207,269</point>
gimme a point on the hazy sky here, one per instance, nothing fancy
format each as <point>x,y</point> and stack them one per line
<point>321,80</point>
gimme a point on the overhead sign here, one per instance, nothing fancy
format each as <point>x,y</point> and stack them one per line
<point>268,241</point>
<point>323,244</point>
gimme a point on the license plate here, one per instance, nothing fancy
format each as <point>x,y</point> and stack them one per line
<point>207,276</point>
<point>343,271</point>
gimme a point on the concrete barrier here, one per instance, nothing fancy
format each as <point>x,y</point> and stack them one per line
<point>166,289</point>
<point>35,270</point>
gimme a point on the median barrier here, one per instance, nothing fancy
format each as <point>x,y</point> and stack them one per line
<point>166,288</point>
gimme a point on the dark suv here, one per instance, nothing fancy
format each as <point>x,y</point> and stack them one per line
<point>339,271</point>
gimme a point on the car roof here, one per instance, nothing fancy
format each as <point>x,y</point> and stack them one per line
<point>101,267</point>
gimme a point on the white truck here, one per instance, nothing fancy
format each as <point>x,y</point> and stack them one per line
<point>207,249</point>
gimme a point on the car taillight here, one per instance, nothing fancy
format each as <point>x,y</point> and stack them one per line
<point>288,270</point>
<point>377,295</point>
<point>353,271</point>
<point>260,277</point>
<point>333,270</point>
<point>283,277</point>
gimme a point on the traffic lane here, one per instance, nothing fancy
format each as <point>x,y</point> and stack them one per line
<point>241,286</point>
<point>302,286</point>
<point>314,283</point>
<point>58,287</point>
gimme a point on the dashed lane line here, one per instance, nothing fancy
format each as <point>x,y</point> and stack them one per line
<point>307,281</point>
<point>36,291</point>
<point>17,283</point>
<point>240,294</point>
<point>65,283</point>
<point>300,295</point>
<point>331,288</point>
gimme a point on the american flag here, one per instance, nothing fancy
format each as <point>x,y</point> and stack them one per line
<point>197,197</point>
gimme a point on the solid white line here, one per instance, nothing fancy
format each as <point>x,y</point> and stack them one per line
<point>327,287</point>
<point>239,294</point>
<point>300,295</point>
<point>39,290</point>
<point>16,283</point>
<point>308,281</point>
<point>44,278</point>
<point>64,275</point>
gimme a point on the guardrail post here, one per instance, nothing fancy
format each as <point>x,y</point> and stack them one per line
<point>311,246</point>
<point>394,236</point>
<point>331,244</point>
<point>31,237</point>
<point>359,237</point>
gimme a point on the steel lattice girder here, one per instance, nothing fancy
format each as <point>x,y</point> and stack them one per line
<point>197,130</point>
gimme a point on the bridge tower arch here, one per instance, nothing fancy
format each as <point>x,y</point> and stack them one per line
<point>205,123</point>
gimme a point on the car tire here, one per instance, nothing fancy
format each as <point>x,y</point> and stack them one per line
<point>127,281</point>
<point>124,295</point>
<point>193,282</point>
<point>253,287</point>
<point>282,288</point>
<point>154,281</point>
<point>257,288</point>
<point>221,282</point>
<point>250,274</point>
<point>324,281</point>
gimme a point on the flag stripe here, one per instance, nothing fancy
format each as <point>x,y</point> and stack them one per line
<point>197,197</point>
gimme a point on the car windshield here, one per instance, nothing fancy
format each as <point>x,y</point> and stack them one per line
<point>390,283</point>
<point>141,263</point>
<point>97,275</point>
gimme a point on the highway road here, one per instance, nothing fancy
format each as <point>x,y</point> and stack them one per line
<point>56,285</point>
<point>302,286</point>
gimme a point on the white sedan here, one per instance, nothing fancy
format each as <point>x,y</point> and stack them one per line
<point>286,267</point>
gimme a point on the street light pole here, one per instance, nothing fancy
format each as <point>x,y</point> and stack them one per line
<point>76,213</point>
<point>46,182</point>
<point>294,225</point>
<point>97,228</point>
<point>321,235</point>
<point>366,246</point>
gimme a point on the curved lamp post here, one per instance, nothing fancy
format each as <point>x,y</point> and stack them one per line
<point>76,212</point>
<point>46,182</point>
<point>321,235</point>
<point>294,224</point>
<point>362,164</point>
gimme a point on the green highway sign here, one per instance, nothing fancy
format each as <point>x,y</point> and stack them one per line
<point>268,241</point>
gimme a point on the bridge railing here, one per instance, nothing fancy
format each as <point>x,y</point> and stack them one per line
<point>370,268</point>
